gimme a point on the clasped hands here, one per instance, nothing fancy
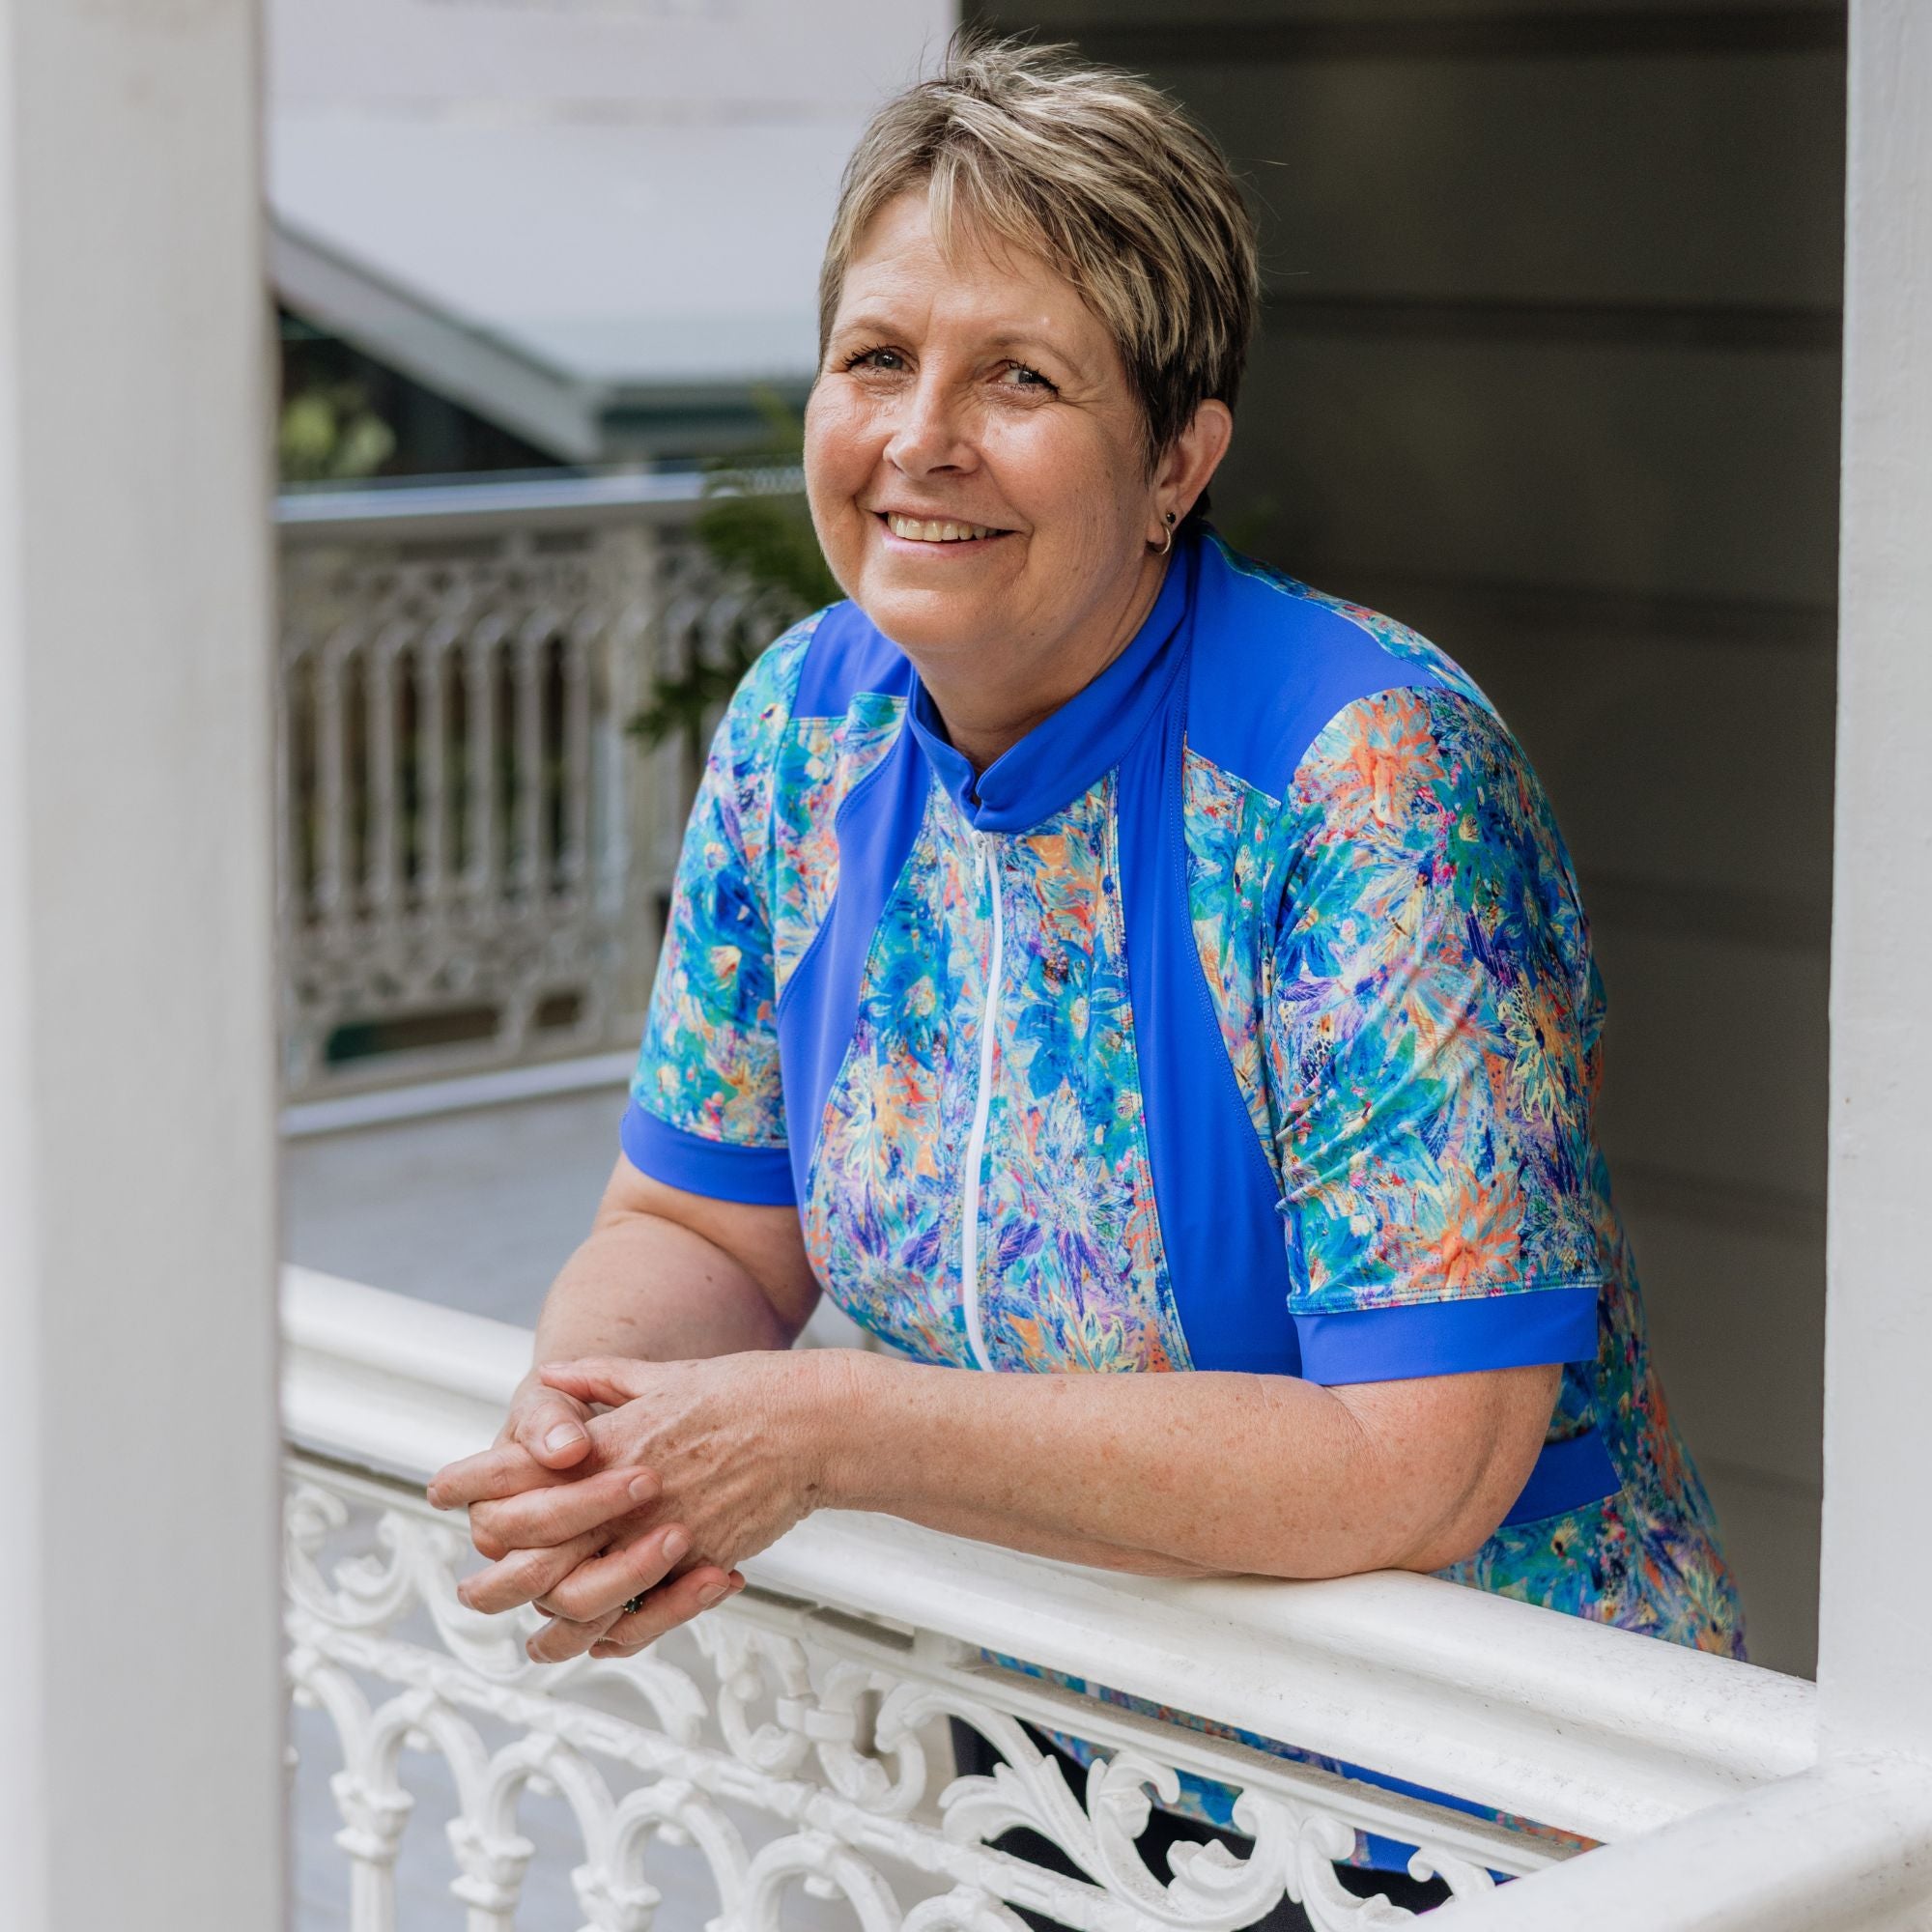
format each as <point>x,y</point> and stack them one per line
<point>615,1480</point>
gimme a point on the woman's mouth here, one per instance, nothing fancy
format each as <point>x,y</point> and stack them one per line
<point>936,531</point>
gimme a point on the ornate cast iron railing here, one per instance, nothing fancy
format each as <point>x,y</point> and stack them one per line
<point>473,853</point>
<point>794,1740</point>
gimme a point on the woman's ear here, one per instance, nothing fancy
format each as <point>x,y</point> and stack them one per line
<point>1193,458</point>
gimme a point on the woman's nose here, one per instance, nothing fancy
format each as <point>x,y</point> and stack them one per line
<point>930,433</point>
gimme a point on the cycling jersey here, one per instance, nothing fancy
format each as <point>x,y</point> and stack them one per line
<point>1242,1016</point>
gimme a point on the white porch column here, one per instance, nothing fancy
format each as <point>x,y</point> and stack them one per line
<point>1875,1649</point>
<point>140,1781</point>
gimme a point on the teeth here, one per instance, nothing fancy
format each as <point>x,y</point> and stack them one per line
<point>918,531</point>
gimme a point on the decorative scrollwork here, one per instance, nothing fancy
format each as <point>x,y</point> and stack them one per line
<point>417,1564</point>
<point>966,1910</point>
<point>817,1726</point>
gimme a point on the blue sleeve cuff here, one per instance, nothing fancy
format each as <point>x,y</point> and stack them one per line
<point>758,1176</point>
<point>1449,1338</point>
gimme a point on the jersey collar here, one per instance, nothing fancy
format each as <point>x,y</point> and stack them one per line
<point>1064,755</point>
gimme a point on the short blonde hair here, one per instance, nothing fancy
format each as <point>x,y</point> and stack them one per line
<point>1100,174</point>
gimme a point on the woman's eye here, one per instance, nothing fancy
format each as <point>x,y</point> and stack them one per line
<point>1018,376</point>
<point>889,360</point>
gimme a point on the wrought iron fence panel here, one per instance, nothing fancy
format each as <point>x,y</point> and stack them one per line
<point>796,1750</point>
<point>475,848</point>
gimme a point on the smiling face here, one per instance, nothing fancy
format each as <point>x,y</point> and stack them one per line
<point>975,465</point>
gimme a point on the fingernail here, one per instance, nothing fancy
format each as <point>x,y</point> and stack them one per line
<point>562,1435</point>
<point>644,1487</point>
<point>675,1544</point>
<point>712,1595</point>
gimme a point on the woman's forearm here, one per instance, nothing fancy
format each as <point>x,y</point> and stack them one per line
<point>1189,1473</point>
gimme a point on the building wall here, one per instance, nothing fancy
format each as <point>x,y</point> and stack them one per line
<point>1549,368</point>
<point>595,222</point>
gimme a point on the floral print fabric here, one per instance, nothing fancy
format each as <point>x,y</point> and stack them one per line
<point>1071,1271</point>
<point>1433,1016</point>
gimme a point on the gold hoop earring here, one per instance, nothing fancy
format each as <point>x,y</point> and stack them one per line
<point>1168,544</point>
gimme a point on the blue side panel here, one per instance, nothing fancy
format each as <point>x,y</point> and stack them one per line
<point>1272,668</point>
<point>1568,1476</point>
<point>1214,1188</point>
<point>847,654</point>
<point>1266,671</point>
<point>818,1010</point>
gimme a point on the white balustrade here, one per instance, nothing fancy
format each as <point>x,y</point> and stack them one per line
<point>793,1737</point>
<point>473,852</point>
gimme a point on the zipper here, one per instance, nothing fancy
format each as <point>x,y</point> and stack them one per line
<point>986,860</point>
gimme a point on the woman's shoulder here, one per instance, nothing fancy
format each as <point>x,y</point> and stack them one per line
<point>820,667</point>
<point>1284,674</point>
<point>1281,612</point>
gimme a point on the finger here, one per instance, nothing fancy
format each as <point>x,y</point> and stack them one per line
<point>506,1470</point>
<point>611,1379</point>
<point>560,1639</point>
<point>607,1582</point>
<point>542,1519</point>
<point>676,1603</point>
<point>523,1576</point>
<point>551,1427</point>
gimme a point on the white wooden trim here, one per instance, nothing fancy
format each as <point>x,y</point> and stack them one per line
<point>329,513</point>
<point>1875,1664</point>
<point>140,1727</point>
<point>1841,1848</point>
<point>386,1106</point>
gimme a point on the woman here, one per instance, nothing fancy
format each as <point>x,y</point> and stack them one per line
<point>1095,952</point>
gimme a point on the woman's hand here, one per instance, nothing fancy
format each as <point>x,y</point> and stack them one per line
<point>553,1426</point>
<point>727,1449</point>
<point>546,1440</point>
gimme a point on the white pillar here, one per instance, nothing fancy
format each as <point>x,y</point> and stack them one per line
<point>140,1780</point>
<point>1875,1637</point>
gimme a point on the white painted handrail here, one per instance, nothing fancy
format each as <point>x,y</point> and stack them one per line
<point>1587,1729</point>
<point>1844,1847</point>
<point>468,506</point>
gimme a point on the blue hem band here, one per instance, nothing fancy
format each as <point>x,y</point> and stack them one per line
<point>757,1177</point>
<point>1568,1476</point>
<point>1450,1338</point>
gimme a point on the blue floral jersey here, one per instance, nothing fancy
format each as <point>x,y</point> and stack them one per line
<point>1242,1016</point>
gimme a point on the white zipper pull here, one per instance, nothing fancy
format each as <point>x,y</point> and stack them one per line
<point>987,864</point>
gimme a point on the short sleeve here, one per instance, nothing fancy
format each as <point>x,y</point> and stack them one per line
<point>706,1110</point>
<point>1431,1023</point>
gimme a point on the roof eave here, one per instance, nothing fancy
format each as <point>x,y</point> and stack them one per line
<point>496,379</point>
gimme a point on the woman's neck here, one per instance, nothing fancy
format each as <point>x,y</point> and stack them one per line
<point>986,716</point>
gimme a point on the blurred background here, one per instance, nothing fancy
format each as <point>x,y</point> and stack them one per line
<point>1549,368</point>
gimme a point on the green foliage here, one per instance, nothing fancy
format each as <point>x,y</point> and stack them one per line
<point>329,432</point>
<point>766,541</point>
